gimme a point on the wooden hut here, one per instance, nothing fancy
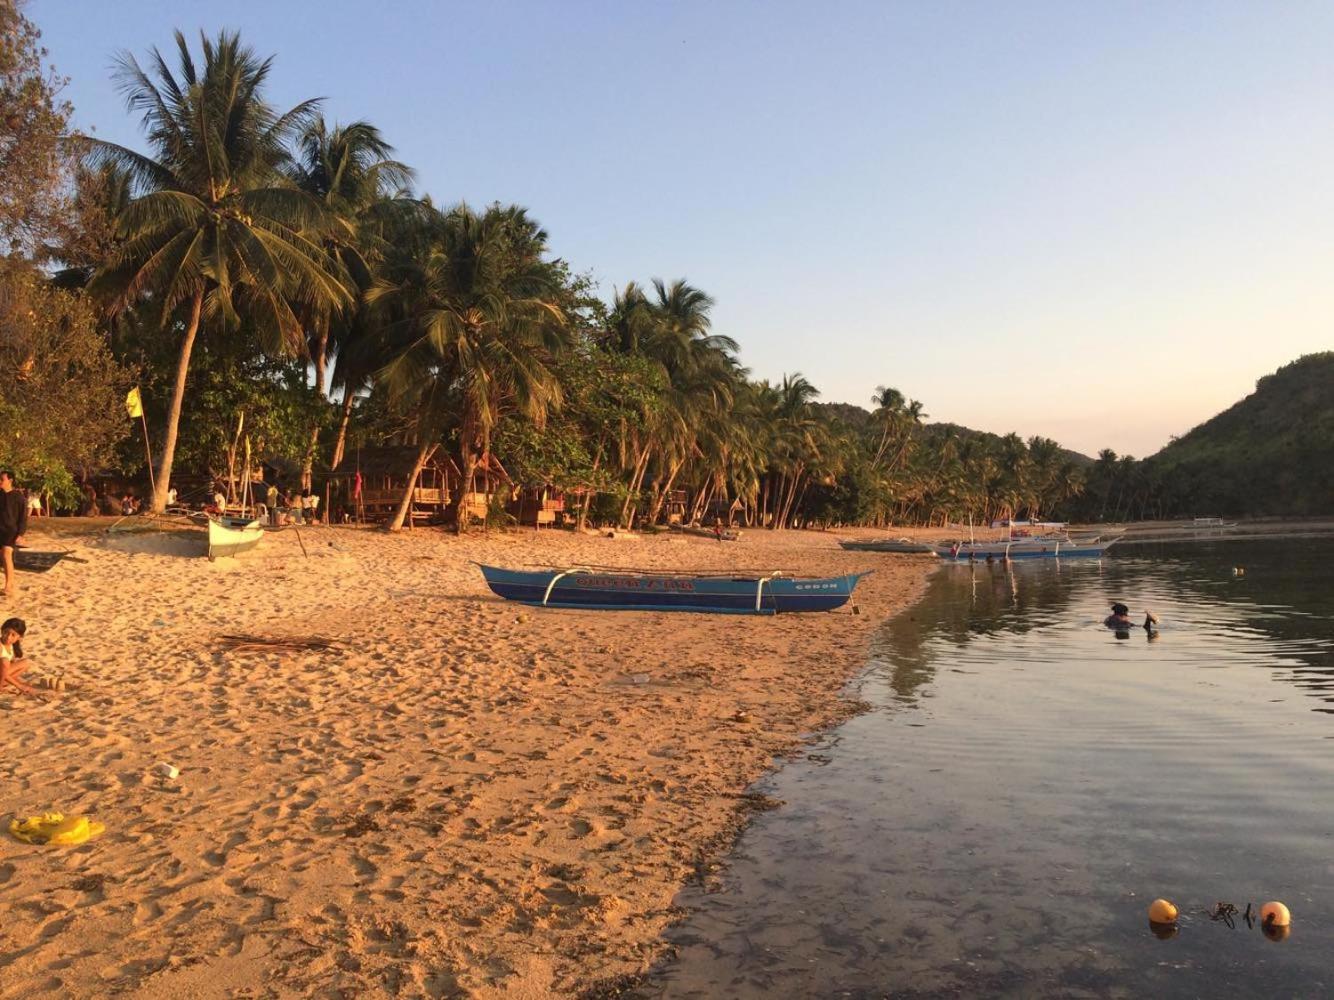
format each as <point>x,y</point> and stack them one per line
<point>384,472</point>
<point>538,505</point>
<point>675,506</point>
<point>488,479</point>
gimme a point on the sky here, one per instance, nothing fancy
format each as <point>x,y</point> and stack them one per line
<point>1095,222</point>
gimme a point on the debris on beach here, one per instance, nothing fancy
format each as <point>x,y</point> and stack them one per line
<point>276,644</point>
<point>55,828</point>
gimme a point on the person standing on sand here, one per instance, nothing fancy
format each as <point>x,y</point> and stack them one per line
<point>13,524</point>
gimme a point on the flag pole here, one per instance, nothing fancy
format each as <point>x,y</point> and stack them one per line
<point>152,483</point>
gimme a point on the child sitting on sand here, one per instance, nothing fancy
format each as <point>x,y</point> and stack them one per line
<point>12,663</point>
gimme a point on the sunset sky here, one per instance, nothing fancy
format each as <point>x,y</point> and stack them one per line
<point>1097,222</point>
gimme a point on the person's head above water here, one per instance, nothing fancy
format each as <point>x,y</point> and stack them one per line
<point>1120,610</point>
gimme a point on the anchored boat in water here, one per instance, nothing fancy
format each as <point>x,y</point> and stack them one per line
<point>905,545</point>
<point>1039,547</point>
<point>646,590</point>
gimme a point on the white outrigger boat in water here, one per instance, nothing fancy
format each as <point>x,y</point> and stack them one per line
<point>1056,544</point>
<point>1038,547</point>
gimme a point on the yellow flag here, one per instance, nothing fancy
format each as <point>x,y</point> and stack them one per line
<point>134,405</point>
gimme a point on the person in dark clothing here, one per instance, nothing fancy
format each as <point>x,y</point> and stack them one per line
<point>13,524</point>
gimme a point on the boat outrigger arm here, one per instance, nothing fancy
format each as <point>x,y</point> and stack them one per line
<point>556,579</point>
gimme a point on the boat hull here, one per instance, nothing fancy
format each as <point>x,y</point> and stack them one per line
<point>231,536</point>
<point>600,589</point>
<point>1014,551</point>
<point>914,548</point>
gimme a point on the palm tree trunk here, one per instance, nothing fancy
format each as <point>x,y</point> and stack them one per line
<point>641,467</point>
<point>174,409</point>
<point>801,499</point>
<point>308,465</point>
<point>468,460</point>
<point>340,443</point>
<point>662,494</point>
<point>588,494</point>
<point>424,453</point>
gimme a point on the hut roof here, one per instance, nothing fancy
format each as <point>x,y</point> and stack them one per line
<point>389,460</point>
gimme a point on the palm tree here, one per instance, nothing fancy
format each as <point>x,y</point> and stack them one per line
<point>473,317</point>
<point>349,170</point>
<point>672,330</point>
<point>217,236</point>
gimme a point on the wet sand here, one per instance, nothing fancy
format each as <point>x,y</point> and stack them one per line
<point>461,797</point>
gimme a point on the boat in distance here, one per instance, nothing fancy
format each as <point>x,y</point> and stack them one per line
<point>886,545</point>
<point>1025,548</point>
<point>230,536</point>
<point>740,592</point>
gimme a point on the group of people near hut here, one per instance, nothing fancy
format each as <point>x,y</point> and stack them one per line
<point>277,506</point>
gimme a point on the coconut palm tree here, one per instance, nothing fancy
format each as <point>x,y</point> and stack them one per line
<point>217,237</point>
<point>472,318</point>
<point>349,170</point>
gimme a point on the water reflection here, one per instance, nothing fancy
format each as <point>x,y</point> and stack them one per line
<point>1027,783</point>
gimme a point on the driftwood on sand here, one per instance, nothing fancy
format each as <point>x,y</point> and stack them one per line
<point>276,643</point>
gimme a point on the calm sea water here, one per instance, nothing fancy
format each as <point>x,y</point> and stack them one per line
<point>1027,782</point>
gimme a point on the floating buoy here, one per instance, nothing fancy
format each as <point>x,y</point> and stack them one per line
<point>1275,915</point>
<point>1162,911</point>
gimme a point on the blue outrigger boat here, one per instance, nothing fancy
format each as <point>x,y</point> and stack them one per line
<point>645,590</point>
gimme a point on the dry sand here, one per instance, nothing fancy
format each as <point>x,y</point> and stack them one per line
<point>468,798</point>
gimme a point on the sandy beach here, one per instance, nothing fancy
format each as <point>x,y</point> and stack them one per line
<point>461,797</point>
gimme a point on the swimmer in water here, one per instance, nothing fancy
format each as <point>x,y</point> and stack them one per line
<point>1119,619</point>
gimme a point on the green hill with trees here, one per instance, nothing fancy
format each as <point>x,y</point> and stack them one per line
<point>1270,453</point>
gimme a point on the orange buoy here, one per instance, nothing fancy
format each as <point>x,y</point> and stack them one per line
<point>1275,915</point>
<point>1162,911</point>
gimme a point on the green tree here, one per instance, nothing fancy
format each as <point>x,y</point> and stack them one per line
<point>473,320</point>
<point>217,235</point>
<point>349,170</point>
<point>33,160</point>
<point>62,402</point>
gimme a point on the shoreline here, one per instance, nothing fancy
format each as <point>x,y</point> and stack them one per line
<point>465,797</point>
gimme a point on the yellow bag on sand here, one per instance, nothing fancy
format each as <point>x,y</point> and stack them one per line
<point>54,828</point>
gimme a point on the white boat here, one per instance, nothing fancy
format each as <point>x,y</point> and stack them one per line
<point>1037,547</point>
<point>230,536</point>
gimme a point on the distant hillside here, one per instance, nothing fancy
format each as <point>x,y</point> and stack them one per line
<point>1271,453</point>
<point>931,433</point>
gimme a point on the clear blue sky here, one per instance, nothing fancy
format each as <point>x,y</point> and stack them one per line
<point>1097,222</point>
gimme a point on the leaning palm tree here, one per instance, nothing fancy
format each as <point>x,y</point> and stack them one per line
<point>473,318</point>
<point>217,237</point>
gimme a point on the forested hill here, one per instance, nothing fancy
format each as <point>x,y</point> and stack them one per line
<point>932,434</point>
<point>1270,453</point>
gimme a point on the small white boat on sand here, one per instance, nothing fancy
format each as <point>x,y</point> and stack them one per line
<point>230,536</point>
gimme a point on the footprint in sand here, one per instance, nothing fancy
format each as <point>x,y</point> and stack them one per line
<point>582,828</point>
